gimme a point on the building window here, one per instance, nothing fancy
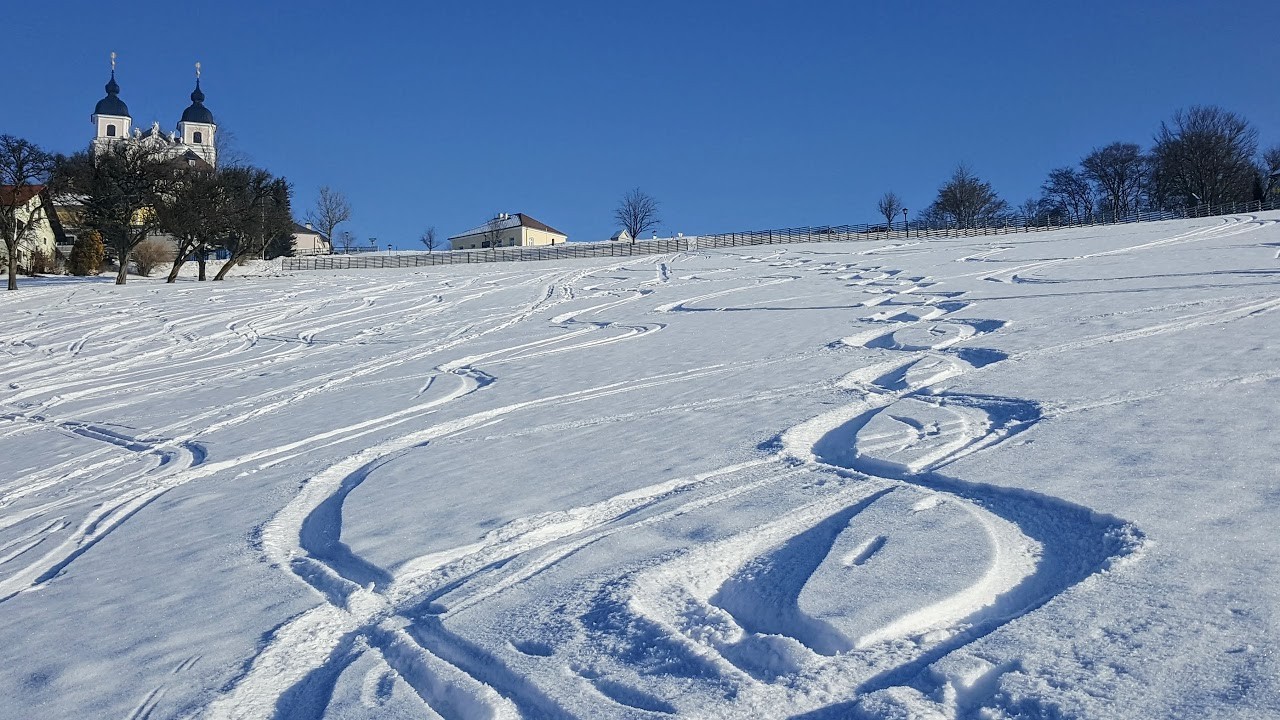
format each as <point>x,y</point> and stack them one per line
<point>111,131</point>
<point>198,137</point>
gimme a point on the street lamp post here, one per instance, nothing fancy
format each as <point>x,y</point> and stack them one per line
<point>906,229</point>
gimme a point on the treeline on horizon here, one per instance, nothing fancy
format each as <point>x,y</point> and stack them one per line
<point>128,194</point>
<point>1202,156</point>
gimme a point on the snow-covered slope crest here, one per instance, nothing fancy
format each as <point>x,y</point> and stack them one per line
<point>939,478</point>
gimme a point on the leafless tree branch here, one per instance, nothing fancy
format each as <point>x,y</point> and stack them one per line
<point>637,213</point>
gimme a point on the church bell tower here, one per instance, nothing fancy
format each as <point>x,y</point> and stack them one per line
<point>110,116</point>
<point>197,127</point>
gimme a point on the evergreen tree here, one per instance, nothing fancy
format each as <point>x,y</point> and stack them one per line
<point>87,254</point>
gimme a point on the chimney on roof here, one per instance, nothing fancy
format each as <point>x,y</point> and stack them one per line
<point>308,226</point>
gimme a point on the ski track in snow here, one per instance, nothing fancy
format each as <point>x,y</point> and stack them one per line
<point>749,615</point>
<point>893,435</point>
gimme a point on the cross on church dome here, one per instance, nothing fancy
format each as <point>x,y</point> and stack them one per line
<point>112,104</point>
<point>197,113</point>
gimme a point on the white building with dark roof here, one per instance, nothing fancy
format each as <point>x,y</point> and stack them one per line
<point>508,230</point>
<point>309,241</point>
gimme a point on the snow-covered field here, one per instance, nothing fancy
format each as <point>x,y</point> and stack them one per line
<point>1025,476</point>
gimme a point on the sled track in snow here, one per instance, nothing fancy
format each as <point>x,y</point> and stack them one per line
<point>1227,227</point>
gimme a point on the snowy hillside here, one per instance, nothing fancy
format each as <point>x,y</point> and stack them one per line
<point>1018,476</point>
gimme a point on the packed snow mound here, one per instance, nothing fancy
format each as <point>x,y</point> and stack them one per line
<point>1007,477</point>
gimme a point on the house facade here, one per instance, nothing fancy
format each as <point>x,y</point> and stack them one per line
<point>309,241</point>
<point>36,224</point>
<point>508,230</point>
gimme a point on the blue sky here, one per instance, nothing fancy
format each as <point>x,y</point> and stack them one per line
<point>735,115</point>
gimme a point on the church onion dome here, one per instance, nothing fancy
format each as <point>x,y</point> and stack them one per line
<point>112,104</point>
<point>197,113</point>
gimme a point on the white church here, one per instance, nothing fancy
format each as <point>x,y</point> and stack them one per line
<point>193,140</point>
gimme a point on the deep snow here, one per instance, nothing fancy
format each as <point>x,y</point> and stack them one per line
<point>1015,476</point>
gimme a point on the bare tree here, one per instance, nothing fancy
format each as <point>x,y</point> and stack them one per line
<point>1118,171</point>
<point>1271,163</point>
<point>889,206</point>
<point>637,213</point>
<point>151,254</point>
<point>121,187</point>
<point>966,200</point>
<point>193,208</point>
<point>429,239</point>
<point>259,214</point>
<point>1067,191</point>
<point>24,201</point>
<point>346,241</point>
<point>492,232</point>
<point>330,211</point>
<point>1035,210</point>
<point>1205,155</point>
<point>227,149</point>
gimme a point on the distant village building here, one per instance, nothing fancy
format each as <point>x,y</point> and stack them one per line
<point>193,141</point>
<point>516,230</point>
<point>621,236</point>
<point>37,222</point>
<point>309,241</point>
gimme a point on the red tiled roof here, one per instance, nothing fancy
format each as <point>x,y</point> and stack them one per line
<point>23,194</point>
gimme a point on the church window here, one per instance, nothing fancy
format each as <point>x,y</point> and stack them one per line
<point>198,137</point>
<point>111,131</point>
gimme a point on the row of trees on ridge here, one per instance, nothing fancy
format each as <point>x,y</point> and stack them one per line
<point>1202,156</point>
